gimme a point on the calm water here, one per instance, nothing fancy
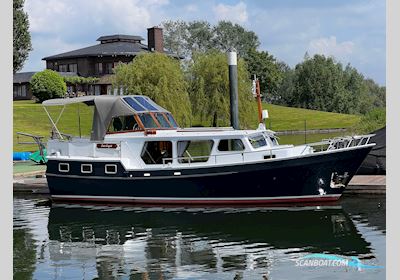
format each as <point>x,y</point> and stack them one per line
<point>109,242</point>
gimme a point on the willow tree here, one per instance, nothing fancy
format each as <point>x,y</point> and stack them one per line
<point>209,89</point>
<point>159,77</point>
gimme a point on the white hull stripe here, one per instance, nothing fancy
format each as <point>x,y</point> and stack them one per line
<point>139,178</point>
<point>89,197</point>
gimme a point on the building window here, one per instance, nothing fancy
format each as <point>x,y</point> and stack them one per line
<point>62,68</point>
<point>227,145</point>
<point>157,152</point>
<point>194,151</point>
<point>50,65</point>
<point>19,91</point>
<point>73,68</point>
<point>109,68</point>
<point>98,68</point>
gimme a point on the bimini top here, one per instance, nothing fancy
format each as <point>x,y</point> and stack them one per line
<point>107,107</point>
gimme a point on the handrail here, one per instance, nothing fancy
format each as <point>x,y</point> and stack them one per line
<point>333,144</point>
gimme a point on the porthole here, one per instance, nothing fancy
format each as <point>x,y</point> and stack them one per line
<point>63,167</point>
<point>111,169</point>
<point>86,168</point>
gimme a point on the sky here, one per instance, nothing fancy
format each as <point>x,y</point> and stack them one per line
<point>353,31</point>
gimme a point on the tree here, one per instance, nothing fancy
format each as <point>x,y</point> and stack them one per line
<point>265,66</point>
<point>47,84</point>
<point>175,37</point>
<point>187,38</point>
<point>209,89</point>
<point>228,35</point>
<point>319,85</point>
<point>160,78</point>
<point>21,37</point>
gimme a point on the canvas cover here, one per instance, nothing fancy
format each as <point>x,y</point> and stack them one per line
<point>375,162</point>
<point>107,107</point>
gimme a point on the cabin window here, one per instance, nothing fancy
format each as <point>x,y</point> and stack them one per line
<point>226,145</point>
<point>161,120</point>
<point>110,168</point>
<point>171,119</point>
<point>148,121</point>
<point>157,152</point>
<point>257,141</point>
<point>86,168</point>
<point>63,167</point>
<point>194,150</point>
<point>123,123</point>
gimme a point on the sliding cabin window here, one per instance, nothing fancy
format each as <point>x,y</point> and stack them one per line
<point>157,152</point>
<point>257,141</point>
<point>194,150</point>
<point>123,123</point>
<point>227,145</point>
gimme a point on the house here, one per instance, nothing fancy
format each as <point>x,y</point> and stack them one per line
<point>100,59</point>
<point>21,84</point>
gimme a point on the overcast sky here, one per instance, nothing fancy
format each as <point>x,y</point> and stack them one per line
<point>351,30</point>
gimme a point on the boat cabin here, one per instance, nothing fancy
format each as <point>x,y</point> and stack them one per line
<point>142,134</point>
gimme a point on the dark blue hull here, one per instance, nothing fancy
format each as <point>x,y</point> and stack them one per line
<point>291,180</point>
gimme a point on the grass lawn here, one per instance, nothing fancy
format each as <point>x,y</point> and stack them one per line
<point>31,118</point>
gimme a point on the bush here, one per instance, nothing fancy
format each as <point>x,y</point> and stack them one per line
<point>47,84</point>
<point>373,120</point>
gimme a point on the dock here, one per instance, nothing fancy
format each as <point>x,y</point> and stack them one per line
<point>367,184</point>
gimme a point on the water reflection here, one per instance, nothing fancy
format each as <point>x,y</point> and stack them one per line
<point>142,241</point>
<point>110,242</point>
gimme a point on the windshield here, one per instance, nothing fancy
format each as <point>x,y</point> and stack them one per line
<point>257,141</point>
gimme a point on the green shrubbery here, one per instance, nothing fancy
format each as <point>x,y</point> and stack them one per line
<point>373,120</point>
<point>47,84</point>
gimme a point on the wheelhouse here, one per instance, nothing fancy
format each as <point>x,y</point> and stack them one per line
<point>146,116</point>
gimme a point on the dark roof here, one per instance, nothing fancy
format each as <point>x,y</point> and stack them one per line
<point>113,45</point>
<point>120,37</point>
<point>25,77</point>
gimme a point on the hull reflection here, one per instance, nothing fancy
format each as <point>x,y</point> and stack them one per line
<point>167,240</point>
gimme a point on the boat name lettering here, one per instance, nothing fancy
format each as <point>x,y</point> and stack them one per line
<point>107,146</point>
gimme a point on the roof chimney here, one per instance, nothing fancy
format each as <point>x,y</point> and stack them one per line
<point>155,40</point>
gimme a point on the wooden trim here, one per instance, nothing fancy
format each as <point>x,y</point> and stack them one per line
<point>166,118</point>
<point>155,119</point>
<point>139,121</point>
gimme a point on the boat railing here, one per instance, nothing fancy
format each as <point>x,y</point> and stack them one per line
<point>342,142</point>
<point>198,159</point>
<point>324,145</point>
